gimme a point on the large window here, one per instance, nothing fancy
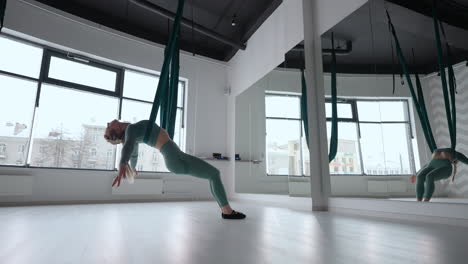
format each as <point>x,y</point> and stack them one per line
<point>347,160</point>
<point>67,122</point>
<point>385,137</point>
<point>56,107</point>
<point>374,137</point>
<point>20,65</point>
<point>283,135</point>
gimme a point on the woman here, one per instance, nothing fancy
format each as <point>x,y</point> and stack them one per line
<point>440,167</point>
<point>176,161</point>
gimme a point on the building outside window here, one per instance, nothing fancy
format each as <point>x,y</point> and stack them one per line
<point>21,148</point>
<point>2,150</point>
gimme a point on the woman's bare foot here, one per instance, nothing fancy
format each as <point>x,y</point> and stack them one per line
<point>426,199</point>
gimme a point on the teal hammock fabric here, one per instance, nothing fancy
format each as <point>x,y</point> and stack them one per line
<point>334,123</point>
<point>2,12</point>
<point>420,109</point>
<point>449,95</point>
<point>304,117</point>
<point>449,99</point>
<point>166,94</point>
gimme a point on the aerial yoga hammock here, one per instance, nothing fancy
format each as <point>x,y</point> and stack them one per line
<point>160,137</point>
<point>444,160</point>
<point>2,12</point>
<point>334,123</point>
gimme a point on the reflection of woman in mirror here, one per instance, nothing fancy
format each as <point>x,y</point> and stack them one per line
<point>442,165</point>
<point>176,161</point>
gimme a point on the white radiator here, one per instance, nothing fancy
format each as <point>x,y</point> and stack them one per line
<point>299,186</point>
<point>397,186</point>
<point>377,186</point>
<point>386,186</point>
<point>16,185</point>
<point>140,187</point>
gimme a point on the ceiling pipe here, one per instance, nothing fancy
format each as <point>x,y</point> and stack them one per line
<point>187,23</point>
<point>345,51</point>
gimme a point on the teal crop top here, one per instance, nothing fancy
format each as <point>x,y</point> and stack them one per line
<point>134,134</point>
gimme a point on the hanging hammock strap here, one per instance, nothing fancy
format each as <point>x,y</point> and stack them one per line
<point>166,94</point>
<point>419,104</point>
<point>2,12</point>
<point>449,100</point>
<point>425,118</point>
<point>304,115</point>
<point>334,123</point>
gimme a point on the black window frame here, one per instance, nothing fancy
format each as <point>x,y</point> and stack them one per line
<point>301,135</point>
<point>48,54</point>
<point>355,119</point>
<point>43,78</point>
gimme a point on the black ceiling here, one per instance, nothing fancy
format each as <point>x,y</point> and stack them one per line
<point>371,52</point>
<point>215,15</point>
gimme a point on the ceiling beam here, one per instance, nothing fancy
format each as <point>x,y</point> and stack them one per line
<point>188,23</point>
<point>338,51</point>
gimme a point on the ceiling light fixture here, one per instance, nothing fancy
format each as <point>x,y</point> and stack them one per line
<point>234,20</point>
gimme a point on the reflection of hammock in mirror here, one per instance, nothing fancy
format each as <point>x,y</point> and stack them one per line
<point>334,123</point>
<point>449,92</point>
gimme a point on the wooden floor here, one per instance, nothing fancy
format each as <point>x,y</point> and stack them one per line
<point>436,200</point>
<point>193,232</point>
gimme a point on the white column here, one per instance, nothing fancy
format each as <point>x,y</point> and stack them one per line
<point>230,178</point>
<point>319,170</point>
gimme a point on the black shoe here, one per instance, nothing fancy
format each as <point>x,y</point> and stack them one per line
<point>233,215</point>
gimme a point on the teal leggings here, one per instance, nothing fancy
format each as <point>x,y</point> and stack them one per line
<point>436,170</point>
<point>181,163</point>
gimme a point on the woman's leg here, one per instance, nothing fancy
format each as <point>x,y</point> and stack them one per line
<point>202,169</point>
<point>181,163</point>
<point>435,175</point>
<point>420,179</point>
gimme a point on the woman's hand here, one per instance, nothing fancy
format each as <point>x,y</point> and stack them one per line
<point>122,173</point>
<point>413,179</point>
<point>130,174</point>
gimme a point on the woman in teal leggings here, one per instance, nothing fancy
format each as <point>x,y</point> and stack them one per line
<point>176,161</point>
<point>440,167</point>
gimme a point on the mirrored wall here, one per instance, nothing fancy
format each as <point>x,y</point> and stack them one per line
<point>381,141</point>
<point>381,144</point>
<point>273,154</point>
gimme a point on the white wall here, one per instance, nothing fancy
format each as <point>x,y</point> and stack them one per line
<point>250,131</point>
<point>205,107</point>
<point>437,116</point>
<point>266,48</point>
<point>331,12</point>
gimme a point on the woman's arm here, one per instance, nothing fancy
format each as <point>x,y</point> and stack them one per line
<point>134,157</point>
<point>128,153</point>
<point>129,146</point>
